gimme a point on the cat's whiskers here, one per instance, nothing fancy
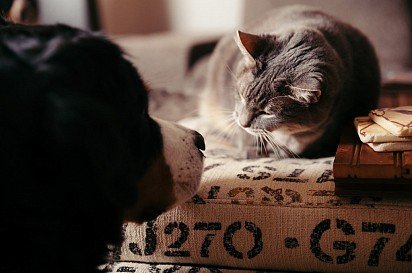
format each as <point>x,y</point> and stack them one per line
<point>225,124</point>
<point>223,131</point>
<point>231,129</point>
<point>231,72</point>
<point>282,147</point>
<point>275,151</point>
<point>273,146</point>
<point>223,112</point>
<point>256,143</point>
<point>263,142</point>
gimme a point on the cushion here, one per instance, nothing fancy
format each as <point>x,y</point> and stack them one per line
<point>272,215</point>
<point>132,267</point>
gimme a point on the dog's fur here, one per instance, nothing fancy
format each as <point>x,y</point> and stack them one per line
<point>79,152</point>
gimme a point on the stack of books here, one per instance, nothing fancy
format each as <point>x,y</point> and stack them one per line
<point>375,156</point>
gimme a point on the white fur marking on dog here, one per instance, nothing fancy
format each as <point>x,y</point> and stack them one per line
<point>183,158</point>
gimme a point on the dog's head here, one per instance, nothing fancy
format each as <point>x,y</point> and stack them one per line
<point>76,133</point>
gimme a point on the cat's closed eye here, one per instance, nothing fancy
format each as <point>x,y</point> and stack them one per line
<point>283,89</point>
<point>261,113</point>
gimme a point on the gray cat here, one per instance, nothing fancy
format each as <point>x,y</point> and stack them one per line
<point>290,81</point>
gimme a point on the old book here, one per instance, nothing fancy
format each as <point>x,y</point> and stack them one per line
<point>358,169</point>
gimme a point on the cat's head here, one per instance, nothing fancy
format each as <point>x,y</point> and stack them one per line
<point>283,81</point>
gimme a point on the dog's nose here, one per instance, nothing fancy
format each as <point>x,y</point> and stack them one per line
<point>199,141</point>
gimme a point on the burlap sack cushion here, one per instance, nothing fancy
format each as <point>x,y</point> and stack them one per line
<point>136,267</point>
<point>277,215</point>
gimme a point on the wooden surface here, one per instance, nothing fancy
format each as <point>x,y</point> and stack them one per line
<point>359,169</point>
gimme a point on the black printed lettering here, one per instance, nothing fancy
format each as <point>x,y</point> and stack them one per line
<point>212,166</point>
<point>172,269</point>
<point>349,254</point>
<point>349,247</point>
<point>196,199</point>
<point>154,269</point>
<point>126,269</point>
<point>261,176</point>
<point>345,245</point>
<point>270,168</point>
<point>402,253</point>
<point>326,176</point>
<point>291,242</point>
<point>249,169</point>
<point>208,226</point>
<point>196,269</point>
<point>323,193</point>
<point>257,239</point>
<point>249,192</point>
<point>184,234</point>
<point>378,227</point>
<point>150,241</point>
<point>243,176</point>
<point>294,196</point>
<point>228,240</point>
<point>212,194</point>
<point>275,193</point>
<point>315,238</point>
<point>204,249</point>
<point>377,249</point>
<point>290,180</point>
<point>345,227</point>
<point>296,173</point>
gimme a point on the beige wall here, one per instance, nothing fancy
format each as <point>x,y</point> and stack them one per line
<point>187,16</point>
<point>385,22</point>
<point>72,12</point>
<point>131,16</point>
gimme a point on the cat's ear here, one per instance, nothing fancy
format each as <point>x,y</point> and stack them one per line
<point>307,92</point>
<point>250,45</point>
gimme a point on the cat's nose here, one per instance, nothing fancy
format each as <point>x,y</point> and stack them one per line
<point>245,119</point>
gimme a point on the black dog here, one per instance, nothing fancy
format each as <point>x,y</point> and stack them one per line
<point>79,152</point>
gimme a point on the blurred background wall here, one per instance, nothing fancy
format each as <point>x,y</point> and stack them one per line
<point>73,12</point>
<point>386,22</point>
<point>146,16</point>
